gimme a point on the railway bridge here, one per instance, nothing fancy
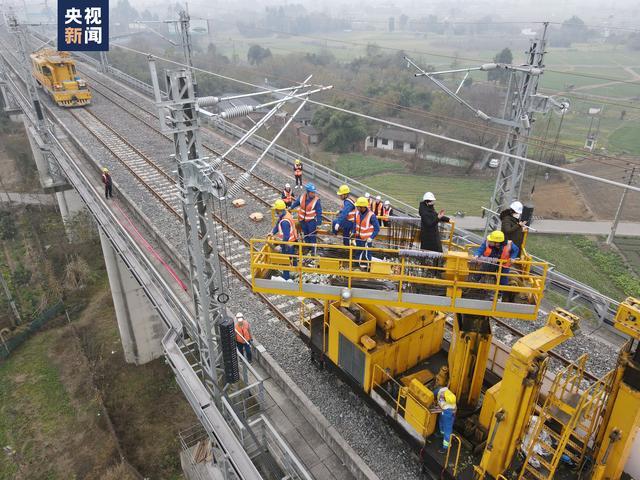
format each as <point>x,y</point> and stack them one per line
<point>286,419</point>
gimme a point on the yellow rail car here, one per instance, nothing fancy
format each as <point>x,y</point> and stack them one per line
<point>56,73</point>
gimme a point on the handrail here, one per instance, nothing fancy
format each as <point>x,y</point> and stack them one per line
<point>446,460</point>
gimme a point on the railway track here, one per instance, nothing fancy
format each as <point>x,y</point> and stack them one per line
<point>163,187</point>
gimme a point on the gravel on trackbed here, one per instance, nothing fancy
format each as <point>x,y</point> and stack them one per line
<point>368,433</point>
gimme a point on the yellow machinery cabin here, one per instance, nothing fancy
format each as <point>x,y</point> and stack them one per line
<point>56,73</point>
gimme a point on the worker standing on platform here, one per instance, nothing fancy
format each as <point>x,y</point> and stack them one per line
<point>287,195</point>
<point>346,216</point>
<point>285,230</point>
<point>243,336</point>
<point>511,226</point>
<point>367,195</point>
<point>429,222</point>
<point>297,172</point>
<point>447,403</point>
<point>366,228</point>
<point>376,206</point>
<point>495,246</point>
<point>387,211</point>
<point>309,213</point>
<point>108,183</point>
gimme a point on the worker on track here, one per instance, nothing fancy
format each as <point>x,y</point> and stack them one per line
<point>297,172</point>
<point>447,403</point>
<point>346,216</point>
<point>309,213</point>
<point>287,195</point>
<point>511,225</point>
<point>495,246</point>
<point>429,222</point>
<point>108,183</point>
<point>366,228</point>
<point>243,336</point>
<point>367,195</point>
<point>285,230</point>
<point>387,211</point>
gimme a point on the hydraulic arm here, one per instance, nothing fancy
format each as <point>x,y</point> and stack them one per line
<point>508,405</point>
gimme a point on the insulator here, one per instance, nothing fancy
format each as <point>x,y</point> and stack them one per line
<point>229,351</point>
<point>488,66</point>
<point>239,111</point>
<point>208,101</point>
<point>419,253</point>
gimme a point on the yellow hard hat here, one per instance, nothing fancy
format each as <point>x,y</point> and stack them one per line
<point>298,160</point>
<point>449,397</point>
<point>343,190</point>
<point>496,236</point>
<point>362,202</point>
<point>279,205</point>
<point>105,169</point>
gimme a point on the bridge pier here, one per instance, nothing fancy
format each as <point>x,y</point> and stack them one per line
<point>141,328</point>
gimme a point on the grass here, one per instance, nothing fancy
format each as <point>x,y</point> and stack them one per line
<point>630,248</point>
<point>588,262</point>
<point>453,193</point>
<point>626,138</point>
<point>357,165</point>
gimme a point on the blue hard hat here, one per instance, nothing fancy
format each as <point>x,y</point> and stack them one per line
<point>310,187</point>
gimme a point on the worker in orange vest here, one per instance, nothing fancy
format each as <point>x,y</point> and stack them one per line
<point>366,228</point>
<point>285,230</point>
<point>309,212</point>
<point>243,336</point>
<point>376,206</point>
<point>387,211</point>
<point>505,251</point>
<point>287,195</point>
<point>297,172</point>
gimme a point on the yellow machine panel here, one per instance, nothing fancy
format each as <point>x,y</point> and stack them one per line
<point>56,73</point>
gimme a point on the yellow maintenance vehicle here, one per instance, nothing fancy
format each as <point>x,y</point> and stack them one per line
<point>56,73</point>
<point>409,322</point>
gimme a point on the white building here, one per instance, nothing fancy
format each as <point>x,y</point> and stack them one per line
<point>392,139</point>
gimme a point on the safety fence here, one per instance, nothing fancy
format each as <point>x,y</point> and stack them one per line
<point>452,282</point>
<point>10,344</point>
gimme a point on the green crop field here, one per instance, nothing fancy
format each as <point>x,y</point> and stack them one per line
<point>359,166</point>
<point>626,138</point>
<point>630,248</point>
<point>453,193</point>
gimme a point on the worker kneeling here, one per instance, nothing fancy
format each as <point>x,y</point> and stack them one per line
<point>366,228</point>
<point>346,216</point>
<point>496,247</point>
<point>285,231</point>
<point>447,403</point>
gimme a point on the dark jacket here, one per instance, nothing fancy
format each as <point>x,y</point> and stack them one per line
<point>511,228</point>
<point>429,234</point>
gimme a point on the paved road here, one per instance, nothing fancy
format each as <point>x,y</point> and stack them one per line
<point>625,229</point>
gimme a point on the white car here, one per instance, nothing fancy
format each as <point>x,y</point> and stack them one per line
<point>494,163</point>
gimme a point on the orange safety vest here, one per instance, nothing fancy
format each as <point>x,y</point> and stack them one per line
<point>386,211</point>
<point>377,208</point>
<point>287,196</point>
<point>293,233</point>
<point>505,254</point>
<point>297,170</point>
<point>364,227</point>
<point>243,334</point>
<point>307,212</point>
<point>351,216</point>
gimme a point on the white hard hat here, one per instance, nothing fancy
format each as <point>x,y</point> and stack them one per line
<point>286,185</point>
<point>378,198</point>
<point>516,207</point>
<point>239,316</point>
<point>386,202</point>
<point>429,197</point>
<point>367,195</point>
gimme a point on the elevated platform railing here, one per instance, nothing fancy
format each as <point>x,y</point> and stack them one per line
<point>450,282</point>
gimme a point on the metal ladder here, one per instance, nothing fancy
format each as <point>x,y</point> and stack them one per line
<point>567,421</point>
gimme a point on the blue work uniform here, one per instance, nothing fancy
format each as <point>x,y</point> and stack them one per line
<point>366,228</point>
<point>309,216</point>
<point>345,220</point>
<point>500,252</point>
<point>285,231</point>
<point>446,419</point>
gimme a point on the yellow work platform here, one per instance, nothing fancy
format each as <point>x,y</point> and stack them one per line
<point>450,282</point>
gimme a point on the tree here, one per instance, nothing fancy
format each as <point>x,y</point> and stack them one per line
<point>500,75</point>
<point>256,54</point>
<point>340,130</point>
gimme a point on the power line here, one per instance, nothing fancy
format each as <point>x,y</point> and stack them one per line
<point>401,126</point>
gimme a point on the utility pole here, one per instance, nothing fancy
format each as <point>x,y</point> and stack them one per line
<point>616,219</point>
<point>521,102</point>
